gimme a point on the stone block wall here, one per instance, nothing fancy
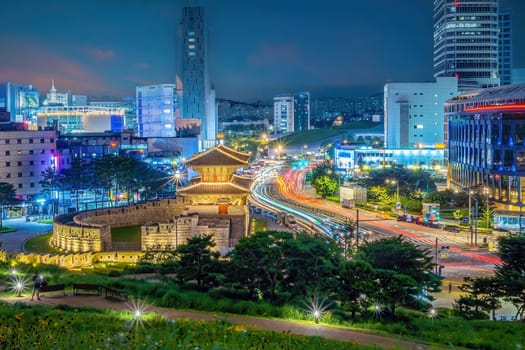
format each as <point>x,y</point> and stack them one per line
<point>90,231</point>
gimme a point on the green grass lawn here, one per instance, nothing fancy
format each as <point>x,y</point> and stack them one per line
<point>125,234</point>
<point>259,225</point>
<point>311,136</point>
<point>40,244</point>
<point>7,229</point>
<point>38,327</point>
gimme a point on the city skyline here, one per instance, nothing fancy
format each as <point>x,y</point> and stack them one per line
<point>257,49</point>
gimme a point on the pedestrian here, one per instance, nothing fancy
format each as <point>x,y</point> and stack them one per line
<point>38,280</point>
<point>449,288</point>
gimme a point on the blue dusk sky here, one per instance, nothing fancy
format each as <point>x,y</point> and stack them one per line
<point>257,48</point>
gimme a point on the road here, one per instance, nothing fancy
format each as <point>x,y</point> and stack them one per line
<point>13,242</point>
<point>459,260</point>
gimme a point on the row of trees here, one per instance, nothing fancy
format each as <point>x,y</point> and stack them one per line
<point>485,294</point>
<point>102,177</point>
<point>282,267</point>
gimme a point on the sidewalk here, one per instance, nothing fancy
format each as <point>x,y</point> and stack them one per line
<point>341,334</point>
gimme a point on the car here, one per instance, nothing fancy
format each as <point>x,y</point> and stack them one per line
<point>402,218</point>
<point>451,228</point>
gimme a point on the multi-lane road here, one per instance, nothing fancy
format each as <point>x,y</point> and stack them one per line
<point>277,190</point>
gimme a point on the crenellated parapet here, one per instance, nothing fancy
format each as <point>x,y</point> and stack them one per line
<point>90,231</point>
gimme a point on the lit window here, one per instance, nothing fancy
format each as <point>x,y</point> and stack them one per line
<point>168,126</point>
<point>191,40</point>
<point>191,47</point>
<point>191,53</point>
<point>419,126</point>
<point>167,110</point>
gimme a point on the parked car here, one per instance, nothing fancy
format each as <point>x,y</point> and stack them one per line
<point>451,228</point>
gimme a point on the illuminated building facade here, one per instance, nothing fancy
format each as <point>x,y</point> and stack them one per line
<point>351,158</point>
<point>198,97</point>
<point>55,98</point>
<point>505,46</point>
<point>78,119</point>
<point>486,142</point>
<point>157,110</point>
<point>301,111</point>
<point>466,42</point>
<point>20,101</point>
<point>283,114</point>
<point>414,112</point>
<point>25,155</point>
<point>217,193</point>
<point>291,113</point>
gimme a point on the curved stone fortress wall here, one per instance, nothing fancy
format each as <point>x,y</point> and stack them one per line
<point>90,231</point>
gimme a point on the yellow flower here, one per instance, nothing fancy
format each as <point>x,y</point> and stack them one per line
<point>19,316</point>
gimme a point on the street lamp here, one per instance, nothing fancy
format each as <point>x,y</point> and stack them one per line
<point>471,215</point>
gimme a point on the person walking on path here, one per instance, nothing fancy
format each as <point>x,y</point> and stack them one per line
<point>38,280</point>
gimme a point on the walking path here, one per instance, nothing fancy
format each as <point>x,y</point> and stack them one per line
<point>352,336</point>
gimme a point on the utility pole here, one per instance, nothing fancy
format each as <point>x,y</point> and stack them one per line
<point>357,228</point>
<point>436,256</point>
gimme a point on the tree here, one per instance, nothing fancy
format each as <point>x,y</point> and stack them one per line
<point>482,294</point>
<point>394,288</point>
<point>511,273</point>
<point>312,264</point>
<point>411,265</point>
<point>325,186</point>
<point>260,261</point>
<point>196,261</point>
<point>356,285</point>
<point>160,258</point>
<point>7,196</point>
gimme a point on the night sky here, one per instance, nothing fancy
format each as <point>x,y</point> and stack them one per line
<point>257,48</point>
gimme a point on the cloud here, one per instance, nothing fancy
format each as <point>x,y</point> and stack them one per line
<point>33,63</point>
<point>101,55</point>
<point>142,65</point>
<point>270,54</point>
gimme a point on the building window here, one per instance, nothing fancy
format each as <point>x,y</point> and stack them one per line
<point>19,163</point>
<point>41,140</point>
<point>30,140</point>
<point>42,162</point>
<point>32,185</point>
<point>7,141</point>
<point>19,152</point>
<point>31,162</point>
<point>19,174</point>
<point>51,140</point>
<point>31,151</point>
<point>43,151</point>
<point>8,175</point>
<point>20,186</point>
<point>31,173</point>
<point>7,153</point>
<point>19,141</point>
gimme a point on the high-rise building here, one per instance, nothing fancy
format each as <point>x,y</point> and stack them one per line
<point>198,96</point>
<point>291,112</point>
<point>19,101</point>
<point>414,112</point>
<point>301,111</point>
<point>466,42</point>
<point>157,109</point>
<point>505,46</point>
<point>128,104</point>
<point>283,114</point>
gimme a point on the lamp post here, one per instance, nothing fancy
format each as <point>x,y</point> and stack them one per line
<point>473,233</point>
